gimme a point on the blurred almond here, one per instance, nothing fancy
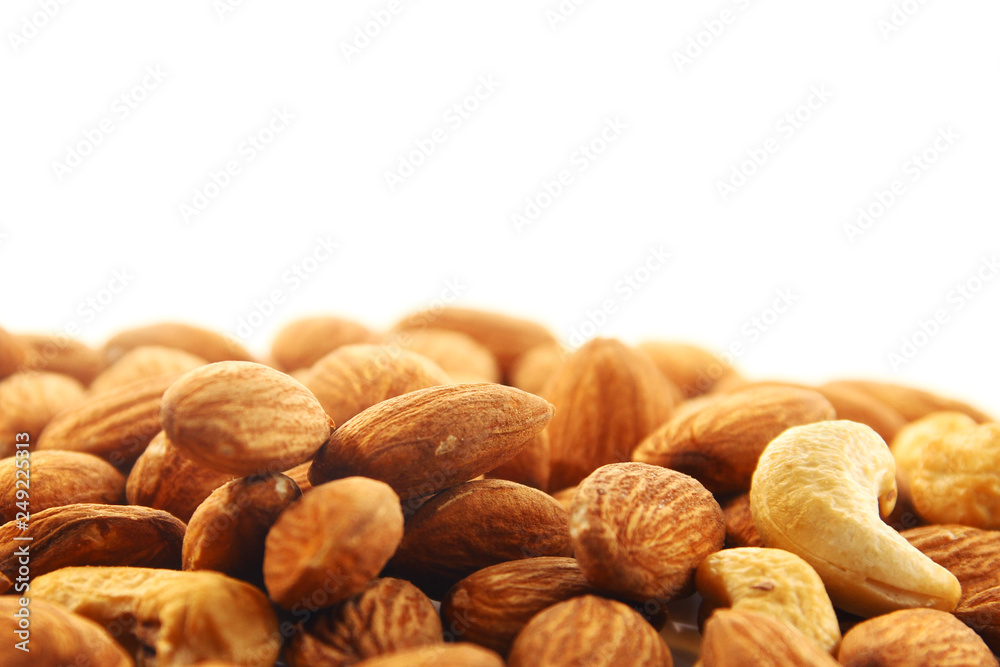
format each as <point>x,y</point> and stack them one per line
<point>459,654</point>
<point>456,353</point>
<point>12,353</point>
<point>533,370</point>
<point>205,343</point>
<point>143,362</point>
<point>736,638</point>
<point>910,402</point>
<point>858,406</point>
<point>740,528</point>
<point>303,342</point>
<point>59,478</point>
<point>693,369</point>
<point>58,353</point>
<point>30,400</point>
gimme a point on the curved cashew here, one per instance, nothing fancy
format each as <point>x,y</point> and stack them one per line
<point>773,582</point>
<point>817,492</point>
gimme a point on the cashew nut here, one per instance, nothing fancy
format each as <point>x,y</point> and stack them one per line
<point>817,492</point>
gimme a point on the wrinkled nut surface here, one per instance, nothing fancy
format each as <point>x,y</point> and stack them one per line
<point>741,531</point>
<point>303,342</point>
<point>459,654</point>
<point>57,478</point>
<point>183,617</point>
<point>143,362</point>
<point>56,637</point>
<point>205,343</point>
<point>477,524</point>
<point>330,543</point>
<point>817,493</point>
<point>772,582</point>
<point>490,606</point>
<point>389,615</point>
<point>29,401</point>
<point>741,638</point>
<point>228,530</point>
<point>589,630</point>
<point>720,444</point>
<point>912,440</point>
<point>914,638</point>
<point>640,531</point>
<point>244,418</point>
<point>432,439</point>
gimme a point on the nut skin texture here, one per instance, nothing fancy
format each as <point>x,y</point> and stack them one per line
<point>772,582</point>
<point>204,343</point>
<point>303,342</point>
<point>971,555</point>
<point>460,654</point>
<point>432,439</point>
<point>589,630</point>
<point>58,637</point>
<point>60,478</point>
<point>456,353</point>
<point>531,466</point>
<point>475,525</point>
<point>692,368</point>
<point>353,378</point>
<point>740,528</point>
<point>162,478</point>
<point>914,638</point>
<point>185,617</point>
<point>30,400</point>
<point>910,402</point>
<point>738,638</point>
<point>228,530</point>
<point>817,492</point>
<point>329,544</point>
<point>243,418</point>
<point>116,425</point>
<point>913,439</point>
<point>640,531</point>
<point>61,354</point>
<point>91,534</point>
<point>493,604</point>
<point>145,361</point>
<point>389,615</point>
<point>720,444</point>
<point>608,397</point>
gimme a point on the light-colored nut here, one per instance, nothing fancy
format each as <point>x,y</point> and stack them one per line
<point>30,400</point>
<point>910,402</point>
<point>490,606</point>
<point>143,362</point>
<point>227,531</point>
<point>305,341</point>
<point>910,442</point>
<point>460,654</point>
<point>772,582</point>
<point>182,617</point>
<point>353,378</point>
<point>58,353</point>
<point>536,367</point>
<point>474,525</point>
<point>914,638</point>
<point>608,397</point>
<point>164,479</point>
<point>58,478</point>
<point>389,615</point>
<point>817,492</point>
<point>588,630</point>
<point>209,345</point>
<point>244,418</point>
<point>740,528</point>
<point>693,369</point>
<point>55,636</point>
<point>432,439</point>
<point>640,531</point>
<point>327,546</point>
<point>456,353</point>
<point>741,638</point>
<point>531,466</point>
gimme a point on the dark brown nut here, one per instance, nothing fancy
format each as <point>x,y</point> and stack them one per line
<point>456,353</point>
<point>693,369</point>
<point>227,531</point>
<point>443,655</point>
<point>737,638</point>
<point>58,353</point>
<point>491,606</point>
<point>640,531</point>
<point>143,362</point>
<point>910,402</point>
<point>300,475</point>
<point>389,615</point>
<point>433,439</point>
<point>589,630</point>
<point>355,377</point>
<point>305,341</point>
<point>474,525</point>
<point>720,444</point>
<point>327,546</point>
<point>91,534</point>
<point>53,636</point>
<point>530,467</point>
<point>57,478</point>
<point>30,400</point>
<point>608,397</point>
<point>115,425</point>
<point>208,345</point>
<point>164,479</point>
<point>740,528</point>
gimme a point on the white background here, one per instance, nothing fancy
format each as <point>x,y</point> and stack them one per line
<point>889,90</point>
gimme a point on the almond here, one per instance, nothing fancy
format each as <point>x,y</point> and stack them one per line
<point>735,638</point>
<point>58,353</point>
<point>608,397</point>
<point>305,341</point>
<point>12,353</point>
<point>720,444</point>
<point>204,343</point>
<point>856,405</point>
<point>693,369</point>
<point>143,362</point>
<point>432,439</point>
<point>443,655</point>
<point>640,531</point>
<point>910,402</point>
<point>30,400</point>
<point>589,630</point>
<point>59,478</point>
<point>456,353</point>
<point>740,528</point>
<point>535,368</point>
<point>531,466</point>
<point>56,637</point>
<point>244,418</point>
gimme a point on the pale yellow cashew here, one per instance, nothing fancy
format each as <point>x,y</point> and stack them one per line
<point>773,582</point>
<point>817,492</point>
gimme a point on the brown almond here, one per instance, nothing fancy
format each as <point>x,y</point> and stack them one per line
<point>389,615</point>
<point>589,630</point>
<point>244,418</point>
<point>58,353</point>
<point>608,397</point>
<point>693,369</point>
<point>536,367</point>
<point>30,400</point>
<point>456,353</point>
<point>531,466</point>
<point>720,444</point>
<point>474,525</point>
<point>209,345</point>
<point>858,406</point>
<point>459,654</point>
<point>303,342</point>
<point>910,402</point>
<point>435,438</point>
<point>143,362</point>
<point>738,638</point>
<point>57,478</point>
<point>12,353</point>
<point>740,528</point>
<point>300,475</point>
<point>640,531</point>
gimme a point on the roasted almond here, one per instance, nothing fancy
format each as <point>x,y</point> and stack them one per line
<point>456,353</point>
<point>535,368</point>
<point>12,353</point>
<point>204,343</point>
<point>858,406</point>
<point>58,353</point>
<point>143,362</point>
<point>55,478</point>
<point>736,638</point>
<point>459,654</point>
<point>910,402</point>
<point>740,528</point>
<point>531,466</point>
<point>694,370</point>
<point>303,342</point>
<point>30,400</point>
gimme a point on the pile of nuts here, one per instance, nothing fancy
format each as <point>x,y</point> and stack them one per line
<point>463,491</point>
